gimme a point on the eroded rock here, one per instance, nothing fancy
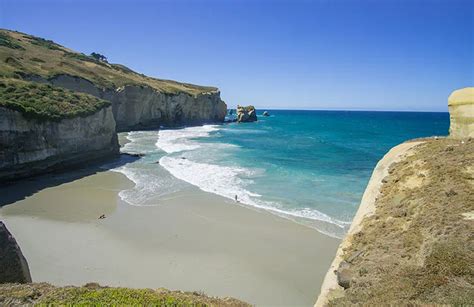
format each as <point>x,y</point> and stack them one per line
<point>246,114</point>
<point>461,113</point>
<point>13,265</point>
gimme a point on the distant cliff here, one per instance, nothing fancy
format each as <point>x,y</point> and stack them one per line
<point>137,101</point>
<point>59,107</point>
<point>411,240</point>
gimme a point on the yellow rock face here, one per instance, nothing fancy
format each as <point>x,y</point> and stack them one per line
<point>461,113</point>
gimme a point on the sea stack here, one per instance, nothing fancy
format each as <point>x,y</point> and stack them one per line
<point>246,114</point>
<point>461,113</point>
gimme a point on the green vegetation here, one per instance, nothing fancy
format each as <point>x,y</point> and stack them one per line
<point>418,247</point>
<point>43,42</point>
<point>99,57</point>
<point>7,41</point>
<point>94,294</point>
<point>45,102</point>
<point>27,51</point>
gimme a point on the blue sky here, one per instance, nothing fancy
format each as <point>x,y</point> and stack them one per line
<point>326,54</point>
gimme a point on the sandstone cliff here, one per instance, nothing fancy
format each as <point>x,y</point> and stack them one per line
<point>30,146</point>
<point>141,106</point>
<point>44,127</point>
<point>461,112</point>
<point>13,265</point>
<point>138,101</point>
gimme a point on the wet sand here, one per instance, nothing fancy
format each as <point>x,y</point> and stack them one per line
<point>190,241</point>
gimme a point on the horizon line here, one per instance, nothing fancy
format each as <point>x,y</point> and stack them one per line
<point>350,110</point>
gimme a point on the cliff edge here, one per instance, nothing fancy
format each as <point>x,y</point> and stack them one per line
<point>411,239</point>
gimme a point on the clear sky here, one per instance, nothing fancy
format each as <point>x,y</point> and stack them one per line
<point>331,54</point>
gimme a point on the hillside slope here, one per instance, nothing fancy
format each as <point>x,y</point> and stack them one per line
<point>137,101</point>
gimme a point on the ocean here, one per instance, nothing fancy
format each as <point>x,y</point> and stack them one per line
<point>308,166</point>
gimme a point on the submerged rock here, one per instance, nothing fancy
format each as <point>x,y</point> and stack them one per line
<point>13,265</point>
<point>246,114</point>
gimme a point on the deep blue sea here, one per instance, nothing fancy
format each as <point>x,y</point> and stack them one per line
<point>308,166</point>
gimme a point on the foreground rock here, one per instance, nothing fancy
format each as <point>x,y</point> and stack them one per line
<point>13,265</point>
<point>461,113</point>
<point>96,295</point>
<point>246,114</point>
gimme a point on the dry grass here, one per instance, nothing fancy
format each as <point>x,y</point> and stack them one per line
<point>418,247</point>
<point>25,54</point>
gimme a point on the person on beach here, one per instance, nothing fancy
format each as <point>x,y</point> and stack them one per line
<point>236,198</point>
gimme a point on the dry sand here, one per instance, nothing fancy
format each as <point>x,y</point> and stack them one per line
<point>191,241</point>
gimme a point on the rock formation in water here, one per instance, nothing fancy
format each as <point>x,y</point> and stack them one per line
<point>266,113</point>
<point>13,265</point>
<point>461,113</point>
<point>246,114</point>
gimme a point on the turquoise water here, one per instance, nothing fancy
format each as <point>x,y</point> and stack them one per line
<point>308,166</point>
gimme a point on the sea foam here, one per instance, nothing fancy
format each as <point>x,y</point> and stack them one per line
<point>186,158</point>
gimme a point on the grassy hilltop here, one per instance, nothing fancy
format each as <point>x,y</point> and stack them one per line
<point>22,54</point>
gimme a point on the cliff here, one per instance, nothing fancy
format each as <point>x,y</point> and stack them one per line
<point>44,128</point>
<point>137,101</point>
<point>461,112</point>
<point>411,240</point>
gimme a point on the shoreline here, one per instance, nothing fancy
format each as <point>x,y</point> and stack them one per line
<point>192,240</point>
<point>330,287</point>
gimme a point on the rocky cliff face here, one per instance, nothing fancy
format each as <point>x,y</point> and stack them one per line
<point>141,107</point>
<point>461,113</point>
<point>13,265</point>
<point>29,146</point>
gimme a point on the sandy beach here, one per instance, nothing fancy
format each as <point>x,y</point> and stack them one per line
<point>192,240</point>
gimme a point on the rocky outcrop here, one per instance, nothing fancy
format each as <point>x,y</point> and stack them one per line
<point>141,107</point>
<point>13,265</point>
<point>246,114</point>
<point>30,146</point>
<point>461,113</point>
